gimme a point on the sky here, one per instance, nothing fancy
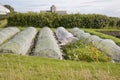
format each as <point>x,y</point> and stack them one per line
<point>105,7</point>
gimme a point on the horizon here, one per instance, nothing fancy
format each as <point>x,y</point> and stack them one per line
<point>104,7</point>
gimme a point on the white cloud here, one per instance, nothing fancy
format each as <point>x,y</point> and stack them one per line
<point>108,7</point>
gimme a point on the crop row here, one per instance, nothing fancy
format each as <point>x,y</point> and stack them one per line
<point>64,37</point>
<point>7,33</point>
<point>106,45</point>
<point>45,44</point>
<point>19,44</point>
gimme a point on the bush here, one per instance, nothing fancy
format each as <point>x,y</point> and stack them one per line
<point>82,52</point>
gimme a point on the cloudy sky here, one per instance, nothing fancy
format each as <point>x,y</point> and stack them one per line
<point>107,7</point>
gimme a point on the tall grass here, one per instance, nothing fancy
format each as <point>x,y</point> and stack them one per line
<point>13,67</point>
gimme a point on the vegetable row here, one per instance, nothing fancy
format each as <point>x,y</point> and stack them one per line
<point>106,45</point>
<point>47,45</point>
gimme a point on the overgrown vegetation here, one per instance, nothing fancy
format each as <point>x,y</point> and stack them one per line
<point>82,52</point>
<point>16,67</point>
<point>68,21</point>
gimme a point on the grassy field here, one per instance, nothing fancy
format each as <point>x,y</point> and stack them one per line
<point>14,67</point>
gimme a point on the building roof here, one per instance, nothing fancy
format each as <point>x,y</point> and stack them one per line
<point>53,10</point>
<point>3,10</point>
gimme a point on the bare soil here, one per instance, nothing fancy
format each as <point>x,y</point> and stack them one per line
<point>112,33</point>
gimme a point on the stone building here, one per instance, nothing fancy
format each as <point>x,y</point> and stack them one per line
<point>54,10</point>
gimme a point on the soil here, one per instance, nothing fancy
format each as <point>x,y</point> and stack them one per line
<point>113,33</point>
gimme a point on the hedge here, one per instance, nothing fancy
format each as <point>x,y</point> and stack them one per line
<point>68,21</point>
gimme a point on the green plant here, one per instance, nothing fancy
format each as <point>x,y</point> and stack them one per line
<point>83,52</point>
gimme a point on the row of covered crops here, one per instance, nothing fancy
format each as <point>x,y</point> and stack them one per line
<point>46,43</point>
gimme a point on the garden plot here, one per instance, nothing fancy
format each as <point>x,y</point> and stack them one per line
<point>7,33</point>
<point>105,45</point>
<point>20,44</point>
<point>46,45</point>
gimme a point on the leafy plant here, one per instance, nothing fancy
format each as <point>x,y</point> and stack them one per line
<point>82,52</point>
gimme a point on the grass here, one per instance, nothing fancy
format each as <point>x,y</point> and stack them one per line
<point>24,27</point>
<point>102,35</point>
<point>16,67</point>
<point>3,23</point>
